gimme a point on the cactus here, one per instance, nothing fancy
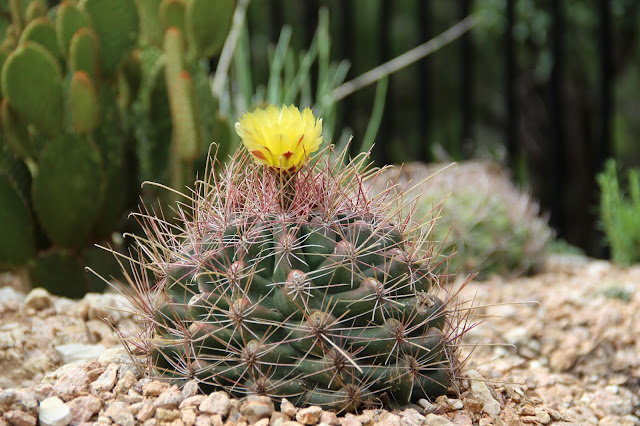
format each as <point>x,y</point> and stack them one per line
<point>61,118</point>
<point>493,227</point>
<point>288,281</point>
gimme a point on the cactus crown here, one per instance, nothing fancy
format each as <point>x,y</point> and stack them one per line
<point>305,289</point>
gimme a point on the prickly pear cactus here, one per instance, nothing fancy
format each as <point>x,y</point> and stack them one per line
<point>286,280</point>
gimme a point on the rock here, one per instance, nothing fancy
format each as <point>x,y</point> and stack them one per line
<point>288,408</point>
<point>481,391</point>
<point>435,420</point>
<point>74,352</point>
<point>100,306</point>
<point>53,412</point>
<point>118,412</point>
<point>329,418</point>
<point>9,294</point>
<point>309,415</point>
<point>107,379</point>
<point>125,382</point>
<point>84,408</point>
<point>388,419</point>
<point>167,415</point>
<point>38,299</point>
<point>188,416</point>
<point>20,418</point>
<point>73,382</point>
<point>216,403</point>
<point>194,401</point>
<point>410,416</point>
<point>190,389</point>
<point>154,388</point>
<point>257,407</point>
<point>18,399</point>
<point>170,398</point>
<point>147,410</point>
<point>117,355</point>
<point>350,420</point>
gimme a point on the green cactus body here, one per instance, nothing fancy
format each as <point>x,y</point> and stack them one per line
<point>324,301</point>
<point>68,189</point>
<point>32,81</point>
<point>84,103</point>
<point>42,31</point>
<point>69,20</point>
<point>83,52</point>
<point>207,25</point>
<point>116,25</point>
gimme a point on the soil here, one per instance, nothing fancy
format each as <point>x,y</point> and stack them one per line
<point>560,347</point>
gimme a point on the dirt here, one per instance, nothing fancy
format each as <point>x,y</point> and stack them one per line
<point>561,347</point>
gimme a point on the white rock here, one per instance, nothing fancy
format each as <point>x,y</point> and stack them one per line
<point>481,391</point>
<point>435,420</point>
<point>114,355</point>
<point>78,352</point>
<point>53,412</point>
<point>38,299</point>
<point>9,294</point>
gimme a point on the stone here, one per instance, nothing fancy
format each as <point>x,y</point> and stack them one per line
<point>54,412</point>
<point>256,407</point>
<point>435,420</point>
<point>480,390</point>
<point>107,380</point>
<point>38,299</point>
<point>118,412</point>
<point>73,382</point>
<point>216,403</point>
<point>194,400</point>
<point>188,416</point>
<point>262,422</point>
<point>411,416</point>
<point>10,294</point>
<point>18,399</point>
<point>309,415</point>
<point>20,418</point>
<point>190,389</point>
<point>147,410</point>
<point>388,419</point>
<point>169,399</point>
<point>117,355</point>
<point>126,381</point>
<point>288,408</point>
<point>84,408</point>
<point>329,418</point>
<point>350,420</point>
<point>154,388</point>
<point>74,352</point>
<point>167,415</point>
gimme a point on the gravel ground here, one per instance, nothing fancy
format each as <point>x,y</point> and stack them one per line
<point>561,347</point>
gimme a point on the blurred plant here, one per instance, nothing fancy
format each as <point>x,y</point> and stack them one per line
<point>492,227</point>
<point>71,77</point>
<point>620,213</point>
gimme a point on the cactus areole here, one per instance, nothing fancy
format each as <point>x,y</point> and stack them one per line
<point>284,279</point>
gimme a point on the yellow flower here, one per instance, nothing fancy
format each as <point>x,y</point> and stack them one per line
<point>280,138</point>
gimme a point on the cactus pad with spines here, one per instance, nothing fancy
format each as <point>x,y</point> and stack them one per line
<point>315,293</point>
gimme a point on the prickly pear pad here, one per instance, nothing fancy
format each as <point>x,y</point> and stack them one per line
<point>324,299</point>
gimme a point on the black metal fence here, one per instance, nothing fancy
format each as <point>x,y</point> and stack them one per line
<point>482,92</point>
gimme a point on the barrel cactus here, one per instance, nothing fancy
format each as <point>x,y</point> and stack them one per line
<point>286,280</point>
<point>493,227</point>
